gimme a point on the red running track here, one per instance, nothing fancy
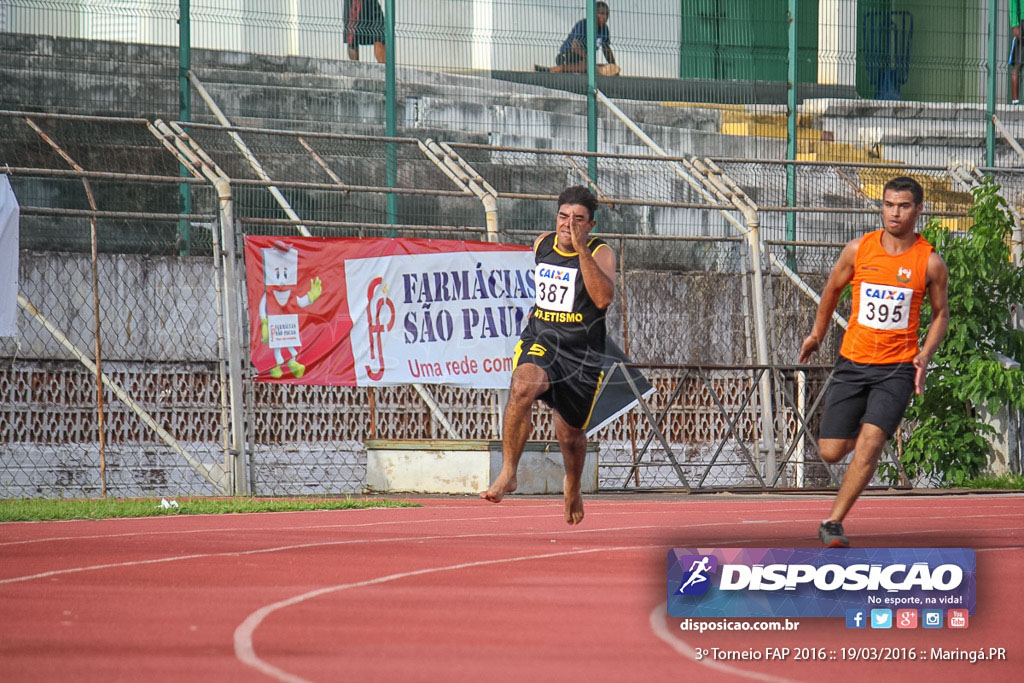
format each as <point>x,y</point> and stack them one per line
<point>460,589</point>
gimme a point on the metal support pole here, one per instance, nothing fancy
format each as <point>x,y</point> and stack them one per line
<point>990,97</point>
<point>391,115</point>
<point>474,182</point>
<point>189,161</point>
<point>631,416</point>
<point>203,166</point>
<point>235,345</point>
<point>592,88</point>
<point>791,120</point>
<point>97,345</point>
<point>1007,135</point>
<point>184,114</point>
<point>761,341</point>
<point>801,410</point>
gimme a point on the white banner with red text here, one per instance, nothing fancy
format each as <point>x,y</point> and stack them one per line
<point>375,312</point>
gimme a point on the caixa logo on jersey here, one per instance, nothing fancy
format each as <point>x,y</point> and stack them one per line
<point>785,582</point>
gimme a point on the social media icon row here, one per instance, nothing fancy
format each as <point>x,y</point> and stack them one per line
<point>905,618</point>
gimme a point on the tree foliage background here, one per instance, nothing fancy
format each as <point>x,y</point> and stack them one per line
<point>969,371</point>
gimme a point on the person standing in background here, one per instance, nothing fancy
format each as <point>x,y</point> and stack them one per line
<point>1016,47</point>
<point>364,25</point>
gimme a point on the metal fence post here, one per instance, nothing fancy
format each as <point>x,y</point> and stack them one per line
<point>233,335</point>
<point>761,339</point>
<point>791,119</point>
<point>97,343</point>
<point>390,113</point>
<point>184,114</point>
<point>592,88</point>
<point>990,98</point>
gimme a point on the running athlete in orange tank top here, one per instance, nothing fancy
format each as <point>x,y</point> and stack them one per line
<point>880,365</point>
<point>888,291</point>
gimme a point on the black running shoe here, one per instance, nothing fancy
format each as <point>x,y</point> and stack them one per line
<point>831,535</point>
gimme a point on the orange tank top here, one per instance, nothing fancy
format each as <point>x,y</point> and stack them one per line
<point>887,295</point>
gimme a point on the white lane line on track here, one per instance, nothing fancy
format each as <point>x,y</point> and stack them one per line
<point>859,519</point>
<point>660,629</point>
<point>246,654</point>
<point>711,543</point>
<point>489,518</point>
<point>498,518</point>
<point>318,544</point>
<point>947,531</point>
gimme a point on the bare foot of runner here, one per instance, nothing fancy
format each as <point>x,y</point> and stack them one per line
<point>573,502</point>
<point>502,485</point>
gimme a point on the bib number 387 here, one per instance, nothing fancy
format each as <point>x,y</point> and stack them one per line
<point>883,307</point>
<point>556,287</point>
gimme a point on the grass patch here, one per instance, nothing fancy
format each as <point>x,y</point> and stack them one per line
<point>44,509</point>
<point>1013,482</point>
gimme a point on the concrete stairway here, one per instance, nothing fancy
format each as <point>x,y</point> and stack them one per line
<point>348,97</point>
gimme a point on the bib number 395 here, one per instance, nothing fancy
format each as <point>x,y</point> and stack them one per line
<point>883,307</point>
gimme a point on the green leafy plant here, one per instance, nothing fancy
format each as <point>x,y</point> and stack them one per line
<point>967,373</point>
<point>1007,481</point>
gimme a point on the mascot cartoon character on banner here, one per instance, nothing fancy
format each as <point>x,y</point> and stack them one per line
<point>279,307</point>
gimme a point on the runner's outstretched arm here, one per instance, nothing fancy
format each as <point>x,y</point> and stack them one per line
<point>841,275</point>
<point>938,299</point>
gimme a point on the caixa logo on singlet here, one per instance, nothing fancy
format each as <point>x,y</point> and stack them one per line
<point>553,273</point>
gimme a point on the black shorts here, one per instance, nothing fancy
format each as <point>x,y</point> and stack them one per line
<point>572,386</point>
<point>876,394</point>
<point>367,27</point>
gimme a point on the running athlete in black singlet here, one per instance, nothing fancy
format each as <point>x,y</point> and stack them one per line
<point>565,333</point>
<point>561,352</point>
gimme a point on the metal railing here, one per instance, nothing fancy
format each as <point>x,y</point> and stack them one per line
<point>173,331</point>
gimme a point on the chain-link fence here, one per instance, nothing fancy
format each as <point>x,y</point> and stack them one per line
<point>875,84</point>
<point>901,82</point>
<point>486,115</point>
<point>684,307</point>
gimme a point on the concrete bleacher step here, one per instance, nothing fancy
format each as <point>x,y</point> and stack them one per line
<point>338,96</point>
<point>348,97</point>
<point>554,121</point>
<point>300,93</point>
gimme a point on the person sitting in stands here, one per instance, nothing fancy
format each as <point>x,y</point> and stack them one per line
<point>572,56</point>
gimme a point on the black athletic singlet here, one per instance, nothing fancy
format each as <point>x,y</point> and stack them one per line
<point>564,316</point>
